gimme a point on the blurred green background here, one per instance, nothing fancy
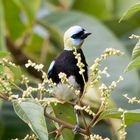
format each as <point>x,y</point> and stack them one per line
<point>34,28</point>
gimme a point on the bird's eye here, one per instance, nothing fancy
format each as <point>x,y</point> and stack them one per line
<point>78,35</point>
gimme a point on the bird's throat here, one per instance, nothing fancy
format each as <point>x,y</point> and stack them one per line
<point>72,47</point>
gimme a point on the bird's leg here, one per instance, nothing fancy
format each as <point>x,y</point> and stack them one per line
<point>77,126</point>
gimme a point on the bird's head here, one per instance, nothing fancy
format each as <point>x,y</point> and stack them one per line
<point>74,37</point>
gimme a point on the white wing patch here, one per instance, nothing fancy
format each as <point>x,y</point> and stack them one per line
<point>51,66</point>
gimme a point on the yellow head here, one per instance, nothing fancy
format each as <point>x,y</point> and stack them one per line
<point>74,37</point>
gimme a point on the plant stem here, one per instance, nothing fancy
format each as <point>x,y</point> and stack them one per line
<point>93,121</point>
<point>63,123</point>
<point>2,96</point>
<point>16,86</point>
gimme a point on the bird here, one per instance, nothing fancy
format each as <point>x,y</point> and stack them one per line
<point>67,63</point>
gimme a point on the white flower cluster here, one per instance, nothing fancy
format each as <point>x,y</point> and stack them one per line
<point>134,37</point>
<point>110,52</point>
<point>5,62</point>
<point>106,90</point>
<point>132,99</point>
<point>85,108</point>
<point>38,67</point>
<point>95,72</point>
<point>122,132</point>
<point>48,101</point>
<point>77,93</point>
<point>5,85</point>
<point>24,80</point>
<point>46,80</point>
<point>97,137</point>
<point>79,62</point>
<point>28,91</point>
<point>41,87</point>
<point>30,137</point>
<point>104,71</point>
<point>114,84</point>
<point>95,75</point>
<point>63,77</point>
<point>13,97</point>
<point>7,80</point>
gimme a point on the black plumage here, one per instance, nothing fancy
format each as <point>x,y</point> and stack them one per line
<point>66,63</point>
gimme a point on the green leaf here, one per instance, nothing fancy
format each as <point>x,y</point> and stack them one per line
<point>132,10</point>
<point>15,70</point>
<point>135,62</point>
<point>1,71</point>
<point>131,116</point>
<point>100,9</point>
<point>13,126</point>
<point>13,20</point>
<point>61,3</point>
<point>66,113</point>
<point>3,54</point>
<point>30,8</point>
<point>136,50</point>
<point>126,28</point>
<point>120,6</point>
<point>32,113</point>
<point>34,48</point>
<point>2,43</point>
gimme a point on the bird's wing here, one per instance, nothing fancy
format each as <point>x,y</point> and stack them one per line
<point>51,68</point>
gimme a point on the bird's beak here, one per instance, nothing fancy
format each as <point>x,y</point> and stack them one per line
<point>85,35</point>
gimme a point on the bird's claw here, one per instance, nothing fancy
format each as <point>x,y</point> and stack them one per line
<point>76,130</point>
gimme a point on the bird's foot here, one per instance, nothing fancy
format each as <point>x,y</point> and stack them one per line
<point>76,130</point>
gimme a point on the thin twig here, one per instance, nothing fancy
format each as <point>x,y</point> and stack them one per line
<point>63,123</point>
<point>84,92</point>
<point>83,117</point>
<point>25,40</point>
<point>17,87</point>
<point>59,131</point>
<point>80,101</point>
<point>94,119</point>
<point>44,52</point>
<point>52,132</point>
<point>82,114</point>
<point>2,96</point>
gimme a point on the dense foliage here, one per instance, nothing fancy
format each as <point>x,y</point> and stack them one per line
<point>33,30</point>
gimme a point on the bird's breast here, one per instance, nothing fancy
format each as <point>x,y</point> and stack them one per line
<point>64,92</point>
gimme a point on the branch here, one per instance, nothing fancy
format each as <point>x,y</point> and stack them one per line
<point>25,40</point>
<point>21,58</point>
<point>59,131</point>
<point>94,119</point>
<point>63,123</point>
<point>2,96</point>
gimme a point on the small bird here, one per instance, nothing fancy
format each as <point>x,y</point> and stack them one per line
<point>67,63</point>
